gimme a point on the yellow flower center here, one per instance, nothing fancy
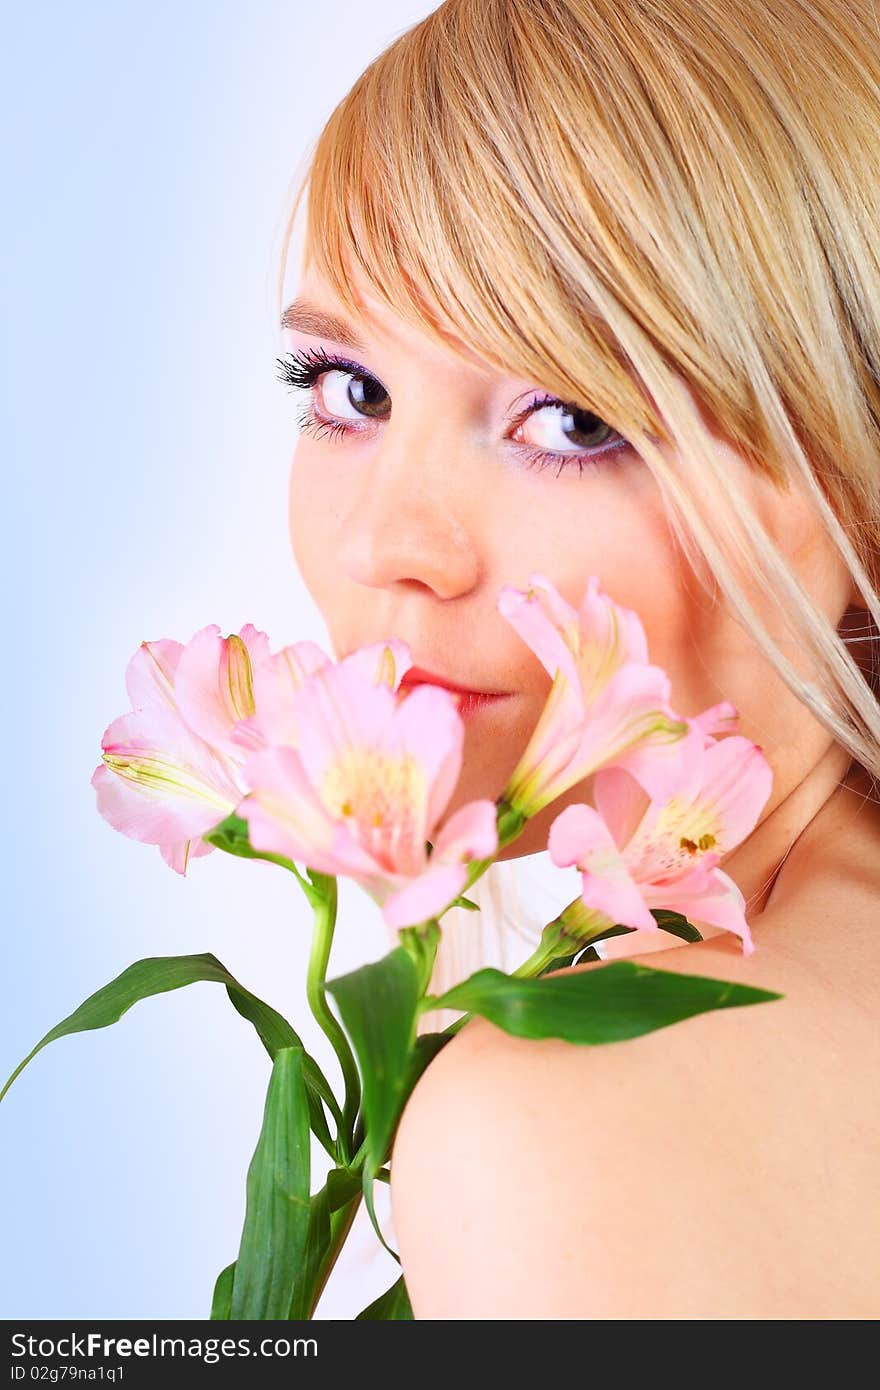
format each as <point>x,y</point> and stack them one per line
<point>383,796</point>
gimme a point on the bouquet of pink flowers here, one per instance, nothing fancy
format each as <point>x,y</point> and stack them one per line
<point>329,768</point>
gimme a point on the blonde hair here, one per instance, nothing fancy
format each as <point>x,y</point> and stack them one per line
<point>608,195</point>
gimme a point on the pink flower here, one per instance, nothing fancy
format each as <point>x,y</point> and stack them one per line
<point>607,705</point>
<point>633,857</point>
<point>172,766</point>
<point>364,790</point>
<point>280,676</point>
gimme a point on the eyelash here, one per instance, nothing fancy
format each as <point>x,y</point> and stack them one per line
<point>303,369</point>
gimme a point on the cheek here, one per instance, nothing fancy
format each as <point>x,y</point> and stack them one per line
<point>615,528</point>
<point>311,518</point>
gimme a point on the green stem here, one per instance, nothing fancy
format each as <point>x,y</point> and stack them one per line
<point>325,905</point>
<point>359,1144</point>
<point>340,1225</point>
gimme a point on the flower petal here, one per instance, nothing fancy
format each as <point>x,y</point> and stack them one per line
<point>276,679</point>
<point>341,710</point>
<point>214,682</point>
<point>737,782</point>
<point>610,628</point>
<point>178,856</point>
<point>576,832</point>
<point>285,815</point>
<point>385,663</point>
<point>470,833</point>
<point>149,676</point>
<point>580,836</point>
<point>720,904</point>
<point>717,719</point>
<point>425,896</point>
<point>163,783</point>
<point>430,728</point>
<point>664,760</point>
<point>525,613</point>
<point>621,801</point>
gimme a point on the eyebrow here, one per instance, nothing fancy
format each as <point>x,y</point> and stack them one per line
<point>308,318</point>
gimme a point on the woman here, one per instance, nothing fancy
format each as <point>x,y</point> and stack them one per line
<point>616,264</point>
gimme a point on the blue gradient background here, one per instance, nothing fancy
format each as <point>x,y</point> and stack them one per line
<point>149,157</point>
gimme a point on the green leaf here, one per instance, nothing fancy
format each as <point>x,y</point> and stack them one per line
<point>378,1004</point>
<point>621,1000</point>
<point>672,922</point>
<point>342,1184</point>
<point>273,1239</point>
<point>276,1032</point>
<point>471,906</point>
<point>222,1300</point>
<point>393,1305</point>
<point>676,923</point>
<point>368,1177</point>
<point>159,974</point>
<point>317,1242</point>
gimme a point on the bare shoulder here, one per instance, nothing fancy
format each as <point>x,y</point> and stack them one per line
<point>724,1167</point>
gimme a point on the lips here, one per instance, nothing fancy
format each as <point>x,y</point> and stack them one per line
<point>468,699</point>
<point>418,675</point>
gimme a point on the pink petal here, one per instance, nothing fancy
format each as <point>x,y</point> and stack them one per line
<point>178,856</point>
<point>621,801</point>
<point>552,747</point>
<point>154,821</point>
<point>283,812</point>
<point>717,719</point>
<point>338,710</point>
<point>577,832</point>
<point>149,676</point>
<point>737,781</point>
<point>275,682</point>
<point>163,783</point>
<point>430,728</point>
<point>579,836</point>
<point>525,614</point>
<point>425,896</point>
<point>618,898</point>
<point>382,662</point>
<point>394,762</point>
<point>214,682</point>
<point>470,833</point>
<point>610,627</point>
<point>721,904</point>
<point>664,764</point>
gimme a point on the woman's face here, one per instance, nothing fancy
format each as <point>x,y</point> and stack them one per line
<point>427,482</point>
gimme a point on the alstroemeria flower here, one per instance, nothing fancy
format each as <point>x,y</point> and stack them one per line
<point>169,770</point>
<point>171,767</point>
<point>632,857</point>
<point>281,675</point>
<point>607,704</point>
<point>364,790</point>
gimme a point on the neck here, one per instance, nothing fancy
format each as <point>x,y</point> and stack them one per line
<point>757,865</point>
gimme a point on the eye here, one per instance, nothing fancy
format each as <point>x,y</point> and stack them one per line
<point>342,393</point>
<point>347,392</point>
<point>554,426</point>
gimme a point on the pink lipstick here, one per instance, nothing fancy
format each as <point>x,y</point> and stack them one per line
<point>469,698</point>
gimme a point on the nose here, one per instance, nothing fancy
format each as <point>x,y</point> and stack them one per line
<point>409,520</point>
